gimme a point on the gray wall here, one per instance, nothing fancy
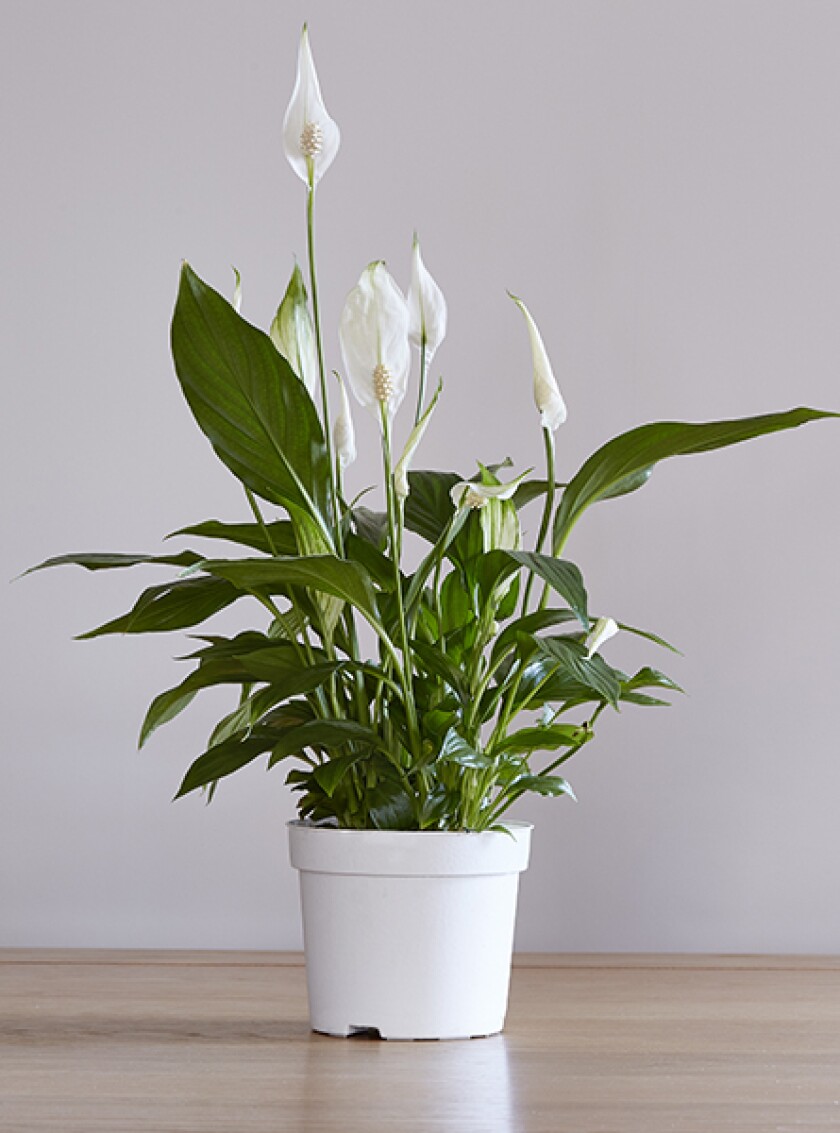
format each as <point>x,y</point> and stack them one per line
<point>661,182</point>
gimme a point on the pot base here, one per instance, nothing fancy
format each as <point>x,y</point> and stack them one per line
<point>374,1033</point>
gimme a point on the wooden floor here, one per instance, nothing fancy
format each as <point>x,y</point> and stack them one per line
<point>161,1042</point>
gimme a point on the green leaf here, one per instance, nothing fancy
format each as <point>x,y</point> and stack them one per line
<point>443,543</point>
<point>322,735</point>
<point>246,715</point>
<point>325,573</point>
<point>439,665</point>
<point>248,402</point>
<point>371,525</point>
<point>329,775</point>
<point>104,561</point>
<point>171,703</point>
<point>550,785</point>
<point>562,576</point>
<point>429,506</point>
<point>217,646</point>
<point>490,571</point>
<point>281,535</point>
<point>256,657</point>
<point>547,738</point>
<point>223,759</point>
<point>175,605</point>
<point>629,484</point>
<point>456,607</point>
<point>593,672</point>
<point>654,637</point>
<point>379,566</point>
<point>625,462</point>
<point>531,490</point>
<point>528,626</point>
<point>644,700</point>
<point>455,749</point>
<point>651,678</point>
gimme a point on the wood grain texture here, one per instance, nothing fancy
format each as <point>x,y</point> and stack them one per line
<point>183,1042</point>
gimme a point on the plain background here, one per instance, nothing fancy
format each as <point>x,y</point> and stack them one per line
<point>660,180</point>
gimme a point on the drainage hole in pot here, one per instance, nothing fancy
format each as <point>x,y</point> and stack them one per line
<point>364,1033</point>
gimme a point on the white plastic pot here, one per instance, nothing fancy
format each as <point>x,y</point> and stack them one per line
<point>408,933</point>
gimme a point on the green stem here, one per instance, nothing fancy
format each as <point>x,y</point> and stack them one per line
<point>316,313</point>
<point>258,516</point>
<point>407,667</point>
<point>548,508</point>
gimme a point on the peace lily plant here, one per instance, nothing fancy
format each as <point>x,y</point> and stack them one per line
<point>488,671</point>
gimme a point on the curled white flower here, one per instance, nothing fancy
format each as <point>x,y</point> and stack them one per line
<point>426,307</point>
<point>547,394</point>
<point>310,137</point>
<point>236,301</point>
<point>411,446</point>
<point>467,493</point>
<point>293,333</point>
<point>602,631</point>
<point>344,435</point>
<point>374,340</point>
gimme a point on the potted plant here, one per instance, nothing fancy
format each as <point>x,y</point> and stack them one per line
<point>400,702</point>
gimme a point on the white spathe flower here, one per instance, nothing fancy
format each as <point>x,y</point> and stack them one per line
<point>293,333</point>
<point>310,137</point>
<point>602,631</point>
<point>467,493</point>
<point>547,394</point>
<point>426,307</point>
<point>374,340</point>
<point>411,446</point>
<point>344,435</point>
<point>236,301</point>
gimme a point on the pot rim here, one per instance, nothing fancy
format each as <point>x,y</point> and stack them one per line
<point>305,824</point>
<point>409,853</point>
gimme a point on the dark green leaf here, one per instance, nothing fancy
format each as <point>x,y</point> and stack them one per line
<point>247,642</point>
<point>611,470</point>
<point>547,738</point>
<point>655,638</point>
<point>371,525</point>
<point>439,665</point>
<point>429,506</point>
<point>562,576</point>
<point>176,605</point>
<point>491,570</point>
<point>456,606</point>
<point>455,749</point>
<point>593,672</point>
<point>551,785</point>
<point>325,573</point>
<point>102,561</point>
<point>328,775</point>
<point>223,759</point>
<point>651,678</point>
<point>528,626</point>
<point>280,541</point>
<point>247,714</point>
<point>249,402</point>
<point>321,735</point>
<point>379,566</point>
<point>532,490</point>
<point>169,704</point>
<point>629,484</point>
<point>443,545</point>
<point>643,699</point>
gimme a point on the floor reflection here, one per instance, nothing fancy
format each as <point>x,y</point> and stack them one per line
<point>459,1085</point>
